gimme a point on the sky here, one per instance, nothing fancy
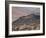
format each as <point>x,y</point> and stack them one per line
<point>23,11</point>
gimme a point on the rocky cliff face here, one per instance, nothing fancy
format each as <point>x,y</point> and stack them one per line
<point>29,22</point>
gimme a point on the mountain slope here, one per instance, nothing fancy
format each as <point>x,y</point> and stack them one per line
<point>29,22</point>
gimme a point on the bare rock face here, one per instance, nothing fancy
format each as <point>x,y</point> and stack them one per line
<point>29,22</point>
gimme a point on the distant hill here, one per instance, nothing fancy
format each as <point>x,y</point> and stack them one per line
<point>28,20</point>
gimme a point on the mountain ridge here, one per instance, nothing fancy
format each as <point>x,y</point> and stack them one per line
<point>27,18</point>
